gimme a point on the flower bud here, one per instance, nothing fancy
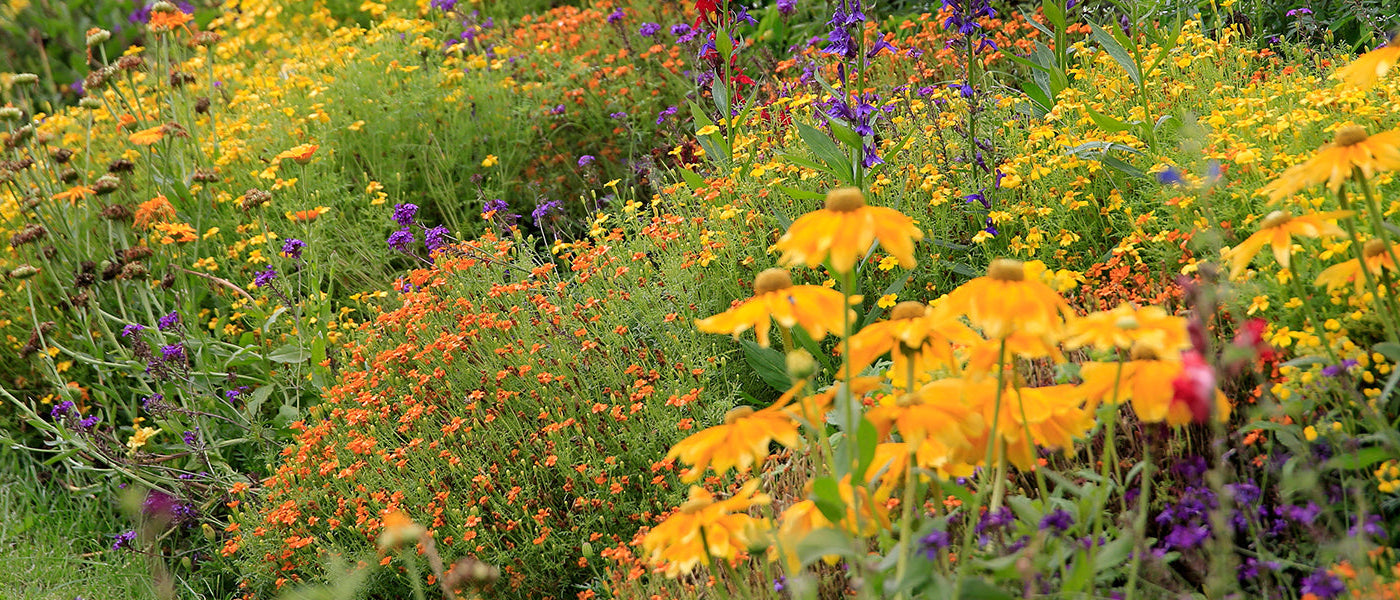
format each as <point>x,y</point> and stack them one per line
<point>10,113</point>
<point>96,36</point>
<point>23,272</point>
<point>801,364</point>
<point>90,103</point>
<point>25,78</point>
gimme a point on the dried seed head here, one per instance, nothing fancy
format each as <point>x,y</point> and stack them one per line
<point>29,234</point>
<point>908,310</point>
<point>1350,135</point>
<point>121,165</point>
<point>203,175</point>
<point>130,62</point>
<point>106,184</point>
<point>68,175</point>
<point>180,78</point>
<point>137,253</point>
<point>135,271</point>
<point>201,105</point>
<point>771,280</point>
<point>61,155</point>
<point>10,113</point>
<point>845,199</point>
<point>254,198</point>
<point>25,78</point>
<point>117,212</point>
<point>1005,269</point>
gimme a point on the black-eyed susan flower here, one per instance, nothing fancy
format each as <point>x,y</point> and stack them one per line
<point>1148,382</point>
<point>1351,149</point>
<point>844,231</point>
<point>819,310</point>
<point>704,527</point>
<point>1367,69</point>
<point>1277,230</point>
<point>1005,302</point>
<point>1127,325</point>
<point>1031,418</point>
<point>741,441</point>
<point>918,338</point>
<point>1375,258</point>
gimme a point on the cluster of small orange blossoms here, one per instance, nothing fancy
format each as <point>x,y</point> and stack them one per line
<point>515,425</point>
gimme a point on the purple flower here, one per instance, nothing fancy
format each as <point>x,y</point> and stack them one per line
<point>557,110</point>
<point>132,330</point>
<point>684,33</point>
<point>1324,585</point>
<point>1298,12</point>
<point>292,248</point>
<point>265,277</point>
<point>89,421</point>
<point>169,321</point>
<point>231,395</point>
<point>1338,369</point>
<point>787,7</point>
<point>497,206</point>
<point>404,213</point>
<point>61,409</point>
<point>123,540</point>
<point>616,16</point>
<point>649,29</point>
<point>933,543</point>
<point>399,240</point>
<point>1303,515</point>
<point>1171,176</point>
<point>667,112</point>
<point>542,211</point>
<point>1058,520</point>
<point>190,436</point>
<point>435,238</point>
<point>618,115</point>
<point>584,161</point>
<point>444,5</point>
<point>156,398</point>
<point>172,352</point>
<point>996,520</point>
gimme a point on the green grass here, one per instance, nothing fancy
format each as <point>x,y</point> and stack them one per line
<point>55,544</point>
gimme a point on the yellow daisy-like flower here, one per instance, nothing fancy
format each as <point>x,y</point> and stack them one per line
<point>146,137</point>
<point>817,309</point>
<point>301,153</point>
<point>1374,258</point>
<point>75,193</point>
<point>844,231</point>
<point>704,527</point>
<point>1367,69</point>
<point>1126,325</point>
<point>1147,382</point>
<point>742,441</point>
<point>804,517</point>
<point>917,336</point>
<point>1277,230</point>
<point>938,419</point>
<point>1351,149</point>
<point>1005,302</point>
<point>1031,418</point>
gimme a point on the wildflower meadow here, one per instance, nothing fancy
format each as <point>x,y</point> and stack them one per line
<point>684,299</point>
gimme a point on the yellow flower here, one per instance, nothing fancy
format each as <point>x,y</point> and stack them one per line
<point>75,193</point>
<point>1371,66</point>
<point>1124,326</point>
<point>887,301</point>
<point>742,441</point>
<point>941,419</point>
<point>1146,382</point>
<point>1375,259</point>
<point>1005,302</point>
<point>1351,149</point>
<point>490,161</point>
<point>146,137</point>
<point>1031,418</point>
<point>804,517</point>
<point>176,232</point>
<point>1277,230</point>
<point>707,130</point>
<point>844,232</point>
<point>301,153</point>
<point>704,527</point>
<point>817,309</point>
<point>139,438</point>
<point>913,331</point>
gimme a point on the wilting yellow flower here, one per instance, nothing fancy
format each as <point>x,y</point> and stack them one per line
<point>1005,302</point>
<point>844,232</point>
<point>1277,230</point>
<point>146,137</point>
<point>1371,66</point>
<point>913,331</point>
<point>1124,326</point>
<point>1374,258</point>
<point>704,527</point>
<point>1351,149</point>
<point>817,309</point>
<point>1147,383</point>
<point>176,232</point>
<point>942,420</point>
<point>301,153</point>
<point>742,441</point>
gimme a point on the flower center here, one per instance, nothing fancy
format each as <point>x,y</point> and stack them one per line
<point>845,200</point>
<point>737,413</point>
<point>771,280</point>
<point>1005,269</point>
<point>1373,248</point>
<point>908,310</point>
<point>1350,135</point>
<point>1143,352</point>
<point>697,503</point>
<point>1127,322</point>
<point>1275,219</point>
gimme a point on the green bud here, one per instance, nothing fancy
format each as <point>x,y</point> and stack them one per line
<point>800,364</point>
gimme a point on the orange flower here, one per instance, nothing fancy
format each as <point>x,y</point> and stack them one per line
<point>1277,230</point>
<point>742,441</point>
<point>155,210</point>
<point>1374,258</point>
<point>308,215</point>
<point>399,530</point>
<point>75,193</point>
<point>704,527</point>
<point>162,21</point>
<point>817,309</point>
<point>1124,326</point>
<point>176,232</point>
<point>1350,150</point>
<point>913,331</point>
<point>1371,66</point>
<point>301,154</point>
<point>1147,383</point>
<point>844,231</point>
<point>146,137</point>
<point>1004,302</point>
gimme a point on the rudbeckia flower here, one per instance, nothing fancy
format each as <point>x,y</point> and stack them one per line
<point>146,137</point>
<point>844,231</point>
<point>1371,66</point>
<point>804,517</point>
<point>1277,230</point>
<point>742,441</point>
<point>917,337</point>
<point>1032,418</point>
<point>1351,149</point>
<point>704,527</point>
<point>1005,302</point>
<point>817,309</point>
<point>1374,258</point>
<point>1125,326</point>
<point>1148,382</point>
<point>941,419</point>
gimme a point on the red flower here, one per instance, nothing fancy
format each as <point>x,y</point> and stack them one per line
<point>1251,337</point>
<point>1195,386</point>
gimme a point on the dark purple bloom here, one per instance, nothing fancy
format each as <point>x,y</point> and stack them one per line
<point>172,352</point>
<point>89,421</point>
<point>586,160</point>
<point>190,436</point>
<point>1324,585</point>
<point>153,398</point>
<point>1297,12</point>
<point>557,110</point>
<point>649,29</point>
<point>617,16</point>
<point>132,330</point>
<point>292,248</point>
<point>1171,176</point>
<point>265,277</point>
<point>1058,520</point>
<point>1338,369</point>
<point>123,540</point>
<point>231,395</point>
<point>62,409</point>
<point>169,321</point>
<point>444,5</point>
<point>618,115</point>
<point>933,543</point>
<point>995,520</point>
<point>399,240</point>
<point>787,7</point>
<point>667,112</point>
<point>435,238</point>
<point>1303,515</point>
<point>404,213</point>
<point>542,211</point>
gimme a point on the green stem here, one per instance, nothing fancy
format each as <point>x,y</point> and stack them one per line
<point>1140,521</point>
<point>982,488</point>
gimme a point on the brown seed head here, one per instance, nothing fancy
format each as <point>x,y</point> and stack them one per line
<point>771,280</point>
<point>1005,269</point>
<point>1350,135</point>
<point>845,199</point>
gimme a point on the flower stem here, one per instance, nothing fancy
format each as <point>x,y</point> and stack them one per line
<point>970,525</point>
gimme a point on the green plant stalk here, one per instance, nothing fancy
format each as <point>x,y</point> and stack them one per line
<point>1109,456</point>
<point>1140,521</point>
<point>911,484</point>
<point>982,490</point>
<point>1387,316</point>
<point>1377,223</point>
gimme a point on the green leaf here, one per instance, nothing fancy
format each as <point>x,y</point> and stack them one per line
<point>823,542</point>
<point>1359,459</point>
<point>826,494</point>
<point>769,364</point>
<point>720,94</point>
<point>1123,167</point>
<point>1389,350</point>
<point>979,589</point>
<point>1117,51</point>
<point>1053,13</point>
<point>868,438</point>
<point>801,194</point>
<point>285,415</point>
<point>256,400</point>
<point>846,135</point>
<point>1106,122</point>
<point>289,354</point>
<point>810,164</point>
<point>826,150</point>
<point>1113,554</point>
<point>692,179</point>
